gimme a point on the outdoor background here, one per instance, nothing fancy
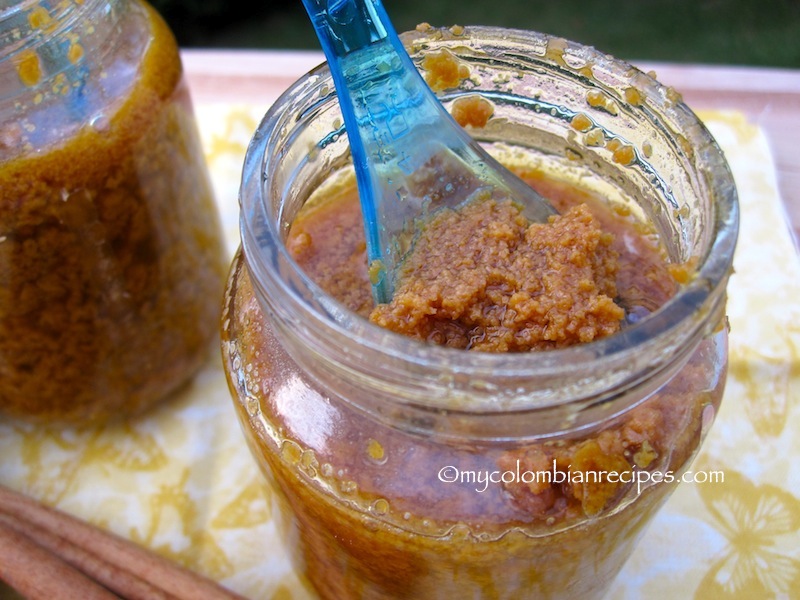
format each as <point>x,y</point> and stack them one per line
<point>735,32</point>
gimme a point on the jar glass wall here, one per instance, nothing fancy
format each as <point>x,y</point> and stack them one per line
<point>111,253</point>
<point>408,470</point>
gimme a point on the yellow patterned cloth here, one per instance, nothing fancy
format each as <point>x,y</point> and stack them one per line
<point>181,480</point>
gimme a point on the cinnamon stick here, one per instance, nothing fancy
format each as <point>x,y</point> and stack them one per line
<point>120,581</point>
<point>114,550</point>
<point>40,575</point>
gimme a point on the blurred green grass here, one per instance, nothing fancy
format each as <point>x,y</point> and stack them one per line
<point>735,32</point>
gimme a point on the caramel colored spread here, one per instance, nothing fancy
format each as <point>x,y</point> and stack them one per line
<point>443,70</point>
<point>483,278</point>
<point>472,111</point>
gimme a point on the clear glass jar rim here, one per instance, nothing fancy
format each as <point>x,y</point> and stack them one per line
<point>683,317</point>
<point>59,20</point>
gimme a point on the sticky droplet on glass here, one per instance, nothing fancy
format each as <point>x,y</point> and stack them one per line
<point>375,451</point>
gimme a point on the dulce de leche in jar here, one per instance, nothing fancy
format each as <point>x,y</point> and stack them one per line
<point>510,422</point>
<point>111,253</point>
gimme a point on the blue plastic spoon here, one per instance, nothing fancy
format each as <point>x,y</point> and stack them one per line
<point>410,156</point>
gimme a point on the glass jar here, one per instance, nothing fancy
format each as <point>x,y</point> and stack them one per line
<point>409,470</point>
<point>112,260</point>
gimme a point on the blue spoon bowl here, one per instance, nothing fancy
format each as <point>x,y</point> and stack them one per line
<point>409,154</point>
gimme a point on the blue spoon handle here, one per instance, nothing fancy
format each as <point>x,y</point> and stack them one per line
<point>344,26</point>
<point>387,107</point>
<point>408,152</point>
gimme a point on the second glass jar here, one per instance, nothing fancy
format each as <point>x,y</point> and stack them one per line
<point>112,259</point>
